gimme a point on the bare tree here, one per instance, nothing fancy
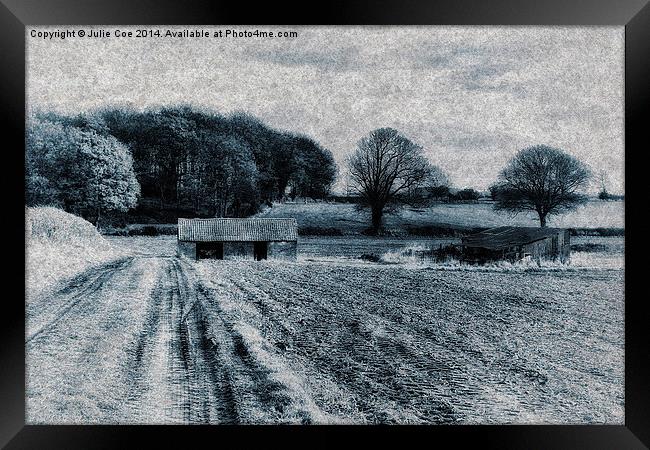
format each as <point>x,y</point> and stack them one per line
<point>603,194</point>
<point>542,179</point>
<point>385,169</point>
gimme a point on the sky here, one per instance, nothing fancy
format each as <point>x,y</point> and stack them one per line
<point>471,97</point>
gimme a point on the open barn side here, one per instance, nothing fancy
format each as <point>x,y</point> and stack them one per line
<point>229,238</point>
<point>517,243</point>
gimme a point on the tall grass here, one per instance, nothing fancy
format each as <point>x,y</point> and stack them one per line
<point>52,225</point>
<point>449,258</point>
<point>424,254</point>
<point>60,245</point>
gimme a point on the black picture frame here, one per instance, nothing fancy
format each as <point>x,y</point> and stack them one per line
<point>15,15</point>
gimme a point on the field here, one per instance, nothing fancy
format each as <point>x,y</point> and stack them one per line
<point>344,217</point>
<point>385,344</point>
<point>330,338</point>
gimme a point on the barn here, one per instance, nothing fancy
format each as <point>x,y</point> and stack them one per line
<point>225,238</point>
<point>517,243</point>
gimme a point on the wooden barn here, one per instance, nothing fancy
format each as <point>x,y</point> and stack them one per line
<point>517,243</point>
<point>238,238</point>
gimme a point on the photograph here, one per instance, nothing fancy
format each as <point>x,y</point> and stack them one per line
<point>342,225</point>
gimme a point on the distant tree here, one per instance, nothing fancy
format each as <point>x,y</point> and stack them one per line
<point>436,185</point>
<point>495,191</point>
<point>468,194</point>
<point>81,171</point>
<point>603,194</point>
<point>440,192</point>
<point>260,139</point>
<point>384,168</point>
<point>157,145</point>
<point>541,179</point>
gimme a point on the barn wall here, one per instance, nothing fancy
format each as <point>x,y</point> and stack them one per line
<point>187,249</point>
<point>553,247</point>
<point>235,250</point>
<point>537,250</point>
<point>565,245</point>
<point>283,250</point>
<point>540,249</point>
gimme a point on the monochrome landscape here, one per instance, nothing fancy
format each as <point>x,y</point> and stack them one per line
<point>337,225</point>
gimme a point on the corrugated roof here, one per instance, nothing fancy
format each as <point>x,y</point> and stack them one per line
<point>503,237</point>
<point>240,230</point>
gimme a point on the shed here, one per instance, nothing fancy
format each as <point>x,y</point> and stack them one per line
<point>225,238</point>
<point>516,243</point>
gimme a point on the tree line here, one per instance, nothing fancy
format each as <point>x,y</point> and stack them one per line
<point>388,170</point>
<point>177,157</point>
<point>211,165</point>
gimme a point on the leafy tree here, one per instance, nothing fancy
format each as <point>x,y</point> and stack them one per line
<point>81,171</point>
<point>43,138</point>
<point>185,157</point>
<point>384,169</point>
<point>262,142</point>
<point>541,179</point>
<point>315,170</point>
<point>226,176</point>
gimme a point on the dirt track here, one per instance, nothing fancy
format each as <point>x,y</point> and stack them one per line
<point>128,343</point>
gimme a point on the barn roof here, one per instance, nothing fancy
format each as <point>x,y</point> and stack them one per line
<point>504,237</point>
<point>237,230</point>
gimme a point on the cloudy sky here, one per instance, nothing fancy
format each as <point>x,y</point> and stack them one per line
<point>470,96</point>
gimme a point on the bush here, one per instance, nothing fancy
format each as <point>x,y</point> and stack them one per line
<point>467,194</point>
<point>150,231</point>
<point>111,231</point>
<point>604,232</point>
<point>319,231</point>
<point>141,232</point>
<point>589,247</point>
<point>446,252</point>
<point>370,257</point>
<point>441,231</point>
<point>343,199</point>
<point>439,192</point>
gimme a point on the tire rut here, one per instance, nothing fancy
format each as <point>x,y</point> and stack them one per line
<point>80,288</point>
<point>211,384</point>
<point>195,386</point>
<point>260,391</point>
<point>366,364</point>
